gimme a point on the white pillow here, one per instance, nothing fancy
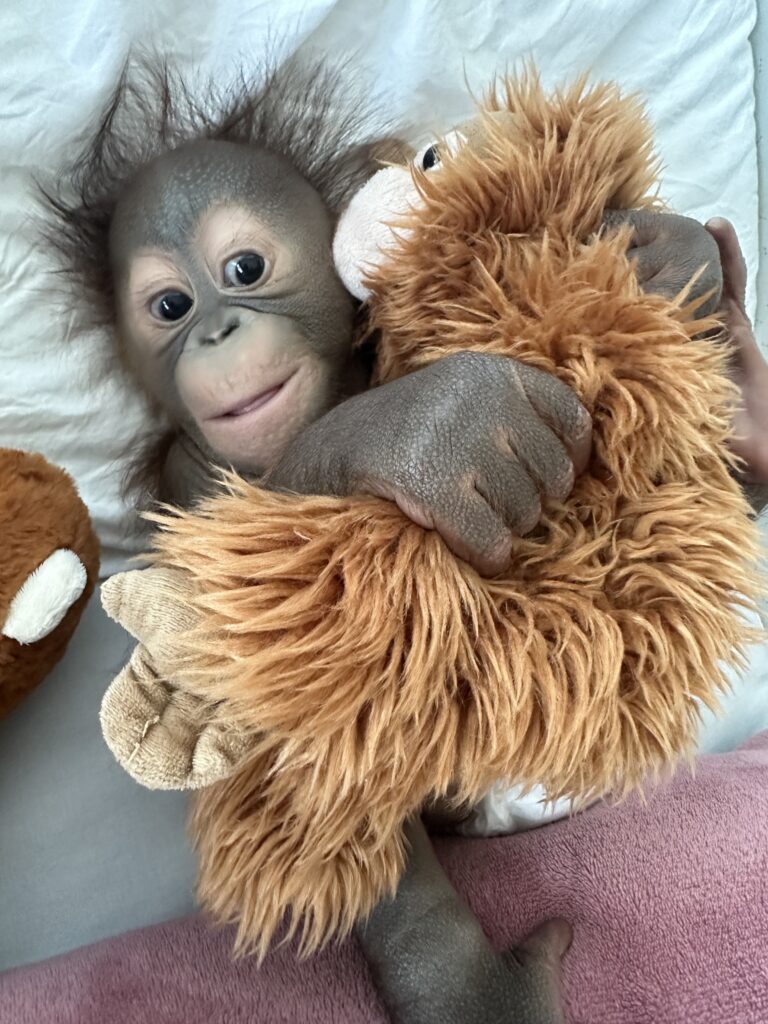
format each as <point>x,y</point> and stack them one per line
<point>692,60</point>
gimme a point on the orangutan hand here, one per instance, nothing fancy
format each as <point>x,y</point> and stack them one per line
<point>750,368</point>
<point>470,446</point>
<point>668,250</point>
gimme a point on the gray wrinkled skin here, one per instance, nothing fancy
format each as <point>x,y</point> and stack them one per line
<point>432,964</point>
<point>168,197</point>
<point>668,250</point>
<point>162,210</point>
<point>471,446</point>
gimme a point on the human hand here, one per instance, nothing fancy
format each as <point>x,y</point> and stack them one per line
<point>750,369</point>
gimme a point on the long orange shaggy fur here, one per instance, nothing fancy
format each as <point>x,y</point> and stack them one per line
<point>379,669</point>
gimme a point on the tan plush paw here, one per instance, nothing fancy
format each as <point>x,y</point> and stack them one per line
<point>154,605</point>
<point>164,737</point>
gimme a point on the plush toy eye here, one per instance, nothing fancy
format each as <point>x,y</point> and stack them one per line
<point>171,306</point>
<point>245,269</point>
<point>430,158</point>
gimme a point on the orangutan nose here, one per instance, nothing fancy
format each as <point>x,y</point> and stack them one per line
<point>216,334</point>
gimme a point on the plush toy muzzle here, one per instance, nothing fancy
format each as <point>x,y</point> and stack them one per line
<point>376,217</point>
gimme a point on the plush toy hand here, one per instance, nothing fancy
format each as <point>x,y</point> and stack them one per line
<point>668,250</point>
<point>750,368</point>
<point>470,446</point>
<point>162,734</point>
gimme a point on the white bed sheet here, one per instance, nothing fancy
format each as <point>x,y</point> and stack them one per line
<point>83,852</point>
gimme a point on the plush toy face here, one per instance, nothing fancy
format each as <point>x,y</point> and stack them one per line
<point>367,232</point>
<point>505,176</point>
<point>47,572</point>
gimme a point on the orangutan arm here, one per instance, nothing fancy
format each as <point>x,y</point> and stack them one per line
<point>469,446</point>
<point>188,474</point>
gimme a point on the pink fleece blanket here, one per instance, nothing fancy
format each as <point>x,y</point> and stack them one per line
<point>669,902</point>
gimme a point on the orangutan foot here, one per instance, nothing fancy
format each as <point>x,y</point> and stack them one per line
<point>432,963</point>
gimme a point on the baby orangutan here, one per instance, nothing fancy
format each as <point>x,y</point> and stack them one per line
<point>201,231</point>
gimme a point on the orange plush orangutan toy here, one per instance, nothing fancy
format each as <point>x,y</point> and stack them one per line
<point>48,571</point>
<point>335,666</point>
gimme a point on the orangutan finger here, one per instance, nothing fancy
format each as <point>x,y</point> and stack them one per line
<point>511,491</point>
<point>474,531</point>
<point>560,408</point>
<point>545,459</point>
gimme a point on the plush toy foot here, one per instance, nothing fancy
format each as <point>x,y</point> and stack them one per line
<point>45,597</point>
<point>432,963</point>
<point>163,735</point>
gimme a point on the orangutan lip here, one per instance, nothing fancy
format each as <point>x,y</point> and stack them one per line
<point>252,404</point>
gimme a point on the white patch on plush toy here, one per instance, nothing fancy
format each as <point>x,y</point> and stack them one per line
<point>45,597</point>
<point>505,810</point>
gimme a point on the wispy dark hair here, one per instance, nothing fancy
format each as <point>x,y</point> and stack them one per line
<point>307,111</point>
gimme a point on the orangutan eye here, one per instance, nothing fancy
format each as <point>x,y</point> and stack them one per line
<point>171,306</point>
<point>245,269</point>
<point>430,158</point>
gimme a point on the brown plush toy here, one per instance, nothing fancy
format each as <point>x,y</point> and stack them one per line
<point>368,669</point>
<point>48,571</point>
